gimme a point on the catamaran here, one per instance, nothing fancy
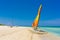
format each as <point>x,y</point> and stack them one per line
<point>36,21</point>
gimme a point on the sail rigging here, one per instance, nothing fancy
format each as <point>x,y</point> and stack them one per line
<point>36,21</point>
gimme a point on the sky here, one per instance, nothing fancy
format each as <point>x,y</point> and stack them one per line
<point>23,12</point>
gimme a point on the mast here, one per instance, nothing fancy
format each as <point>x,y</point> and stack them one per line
<point>36,21</point>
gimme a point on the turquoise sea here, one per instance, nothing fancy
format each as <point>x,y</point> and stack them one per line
<point>52,30</point>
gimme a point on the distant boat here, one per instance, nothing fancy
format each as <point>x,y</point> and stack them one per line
<point>36,21</point>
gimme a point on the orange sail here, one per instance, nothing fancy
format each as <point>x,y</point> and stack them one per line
<point>35,23</point>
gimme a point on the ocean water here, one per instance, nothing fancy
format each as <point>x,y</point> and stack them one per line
<point>52,30</point>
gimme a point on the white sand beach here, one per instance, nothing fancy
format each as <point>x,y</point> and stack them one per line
<point>23,33</point>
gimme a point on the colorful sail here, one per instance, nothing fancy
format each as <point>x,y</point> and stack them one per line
<point>36,21</point>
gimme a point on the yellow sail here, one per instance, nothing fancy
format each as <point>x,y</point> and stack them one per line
<point>35,23</point>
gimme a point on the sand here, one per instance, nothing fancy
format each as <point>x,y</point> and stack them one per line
<point>23,33</point>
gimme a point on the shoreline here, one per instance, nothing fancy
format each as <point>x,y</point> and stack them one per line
<point>23,33</point>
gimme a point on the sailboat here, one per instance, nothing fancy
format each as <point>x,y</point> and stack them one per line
<point>36,21</point>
